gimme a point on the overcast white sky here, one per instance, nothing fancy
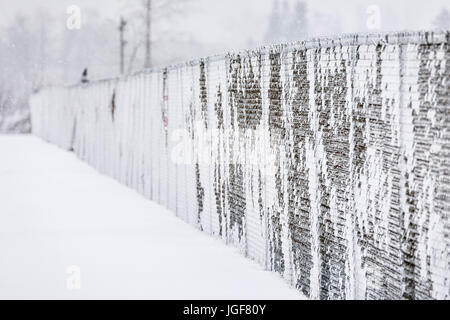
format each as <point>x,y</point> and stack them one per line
<point>237,20</point>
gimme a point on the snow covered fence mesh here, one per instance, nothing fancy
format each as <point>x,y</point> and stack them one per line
<point>326,161</point>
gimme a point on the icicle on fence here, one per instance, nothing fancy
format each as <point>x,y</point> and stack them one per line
<point>325,161</point>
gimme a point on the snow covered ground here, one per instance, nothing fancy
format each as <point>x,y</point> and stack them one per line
<point>62,224</point>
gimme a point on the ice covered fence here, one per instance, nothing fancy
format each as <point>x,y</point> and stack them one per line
<point>326,161</point>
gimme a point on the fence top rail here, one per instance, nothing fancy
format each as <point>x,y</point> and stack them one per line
<point>352,39</point>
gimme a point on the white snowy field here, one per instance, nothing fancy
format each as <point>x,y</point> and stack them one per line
<point>57,212</point>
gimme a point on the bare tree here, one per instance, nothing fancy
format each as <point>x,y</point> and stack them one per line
<point>133,57</point>
<point>122,26</point>
<point>145,19</point>
<point>27,50</point>
<point>442,21</point>
<point>274,30</point>
<point>298,26</point>
<point>148,20</point>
